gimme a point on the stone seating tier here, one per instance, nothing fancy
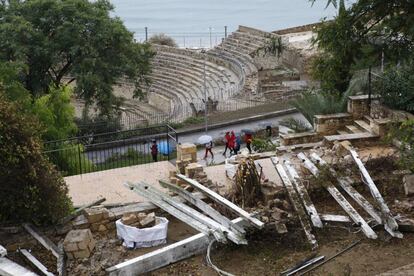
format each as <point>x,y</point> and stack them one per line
<point>211,67</point>
<point>195,81</point>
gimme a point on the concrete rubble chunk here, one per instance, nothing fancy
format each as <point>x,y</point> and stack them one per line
<point>79,244</point>
<point>94,215</point>
<point>148,220</point>
<point>408,181</point>
<point>129,219</point>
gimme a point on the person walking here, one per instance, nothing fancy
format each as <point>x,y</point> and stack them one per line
<point>232,142</point>
<point>154,151</point>
<point>237,145</point>
<point>226,140</point>
<point>248,137</point>
<point>209,147</point>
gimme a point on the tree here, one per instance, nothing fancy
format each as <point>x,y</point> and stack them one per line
<point>31,190</point>
<point>62,41</point>
<point>162,39</point>
<point>361,36</point>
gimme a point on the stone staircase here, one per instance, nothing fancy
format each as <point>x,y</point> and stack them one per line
<point>359,130</point>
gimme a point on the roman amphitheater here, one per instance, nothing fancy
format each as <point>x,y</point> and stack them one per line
<point>238,73</point>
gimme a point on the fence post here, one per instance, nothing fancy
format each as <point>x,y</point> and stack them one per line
<point>80,159</point>
<point>168,141</point>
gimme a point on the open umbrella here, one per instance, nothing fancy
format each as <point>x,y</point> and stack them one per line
<point>247,131</point>
<point>265,124</point>
<point>164,148</point>
<point>204,139</point>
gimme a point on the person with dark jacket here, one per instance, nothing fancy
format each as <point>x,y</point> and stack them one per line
<point>248,137</point>
<point>209,147</point>
<point>154,151</point>
<point>226,140</point>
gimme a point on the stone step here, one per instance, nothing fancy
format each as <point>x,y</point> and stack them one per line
<point>351,136</point>
<point>353,129</point>
<point>342,132</point>
<point>362,124</point>
<point>368,119</point>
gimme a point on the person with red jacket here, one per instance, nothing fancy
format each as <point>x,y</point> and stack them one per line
<point>226,140</point>
<point>154,151</point>
<point>232,142</point>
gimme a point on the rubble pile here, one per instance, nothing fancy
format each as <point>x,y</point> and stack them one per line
<point>139,220</point>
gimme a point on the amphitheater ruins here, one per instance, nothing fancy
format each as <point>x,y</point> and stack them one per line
<point>238,73</point>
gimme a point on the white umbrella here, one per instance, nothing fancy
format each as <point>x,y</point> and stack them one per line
<point>204,139</point>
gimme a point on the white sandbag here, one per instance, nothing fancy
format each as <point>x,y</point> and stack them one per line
<point>230,169</point>
<point>134,237</point>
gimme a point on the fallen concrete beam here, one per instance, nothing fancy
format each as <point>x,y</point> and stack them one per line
<point>334,218</point>
<point>235,237</point>
<point>61,261</point>
<point>388,220</point>
<point>167,255</point>
<point>341,200</point>
<point>303,193</point>
<point>294,199</point>
<point>43,240</point>
<point>142,191</point>
<point>207,209</point>
<point>221,200</point>
<point>10,268</point>
<point>35,262</point>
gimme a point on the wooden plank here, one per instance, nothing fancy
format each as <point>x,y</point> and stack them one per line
<point>303,193</point>
<point>35,262</point>
<point>43,240</point>
<point>350,190</point>
<point>167,255</point>
<point>10,268</point>
<point>236,238</point>
<point>77,212</point>
<point>176,213</point>
<point>388,220</point>
<point>221,200</point>
<point>294,199</point>
<point>341,200</point>
<point>210,211</point>
<point>334,218</point>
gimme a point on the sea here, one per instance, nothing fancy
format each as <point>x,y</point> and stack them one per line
<point>195,23</point>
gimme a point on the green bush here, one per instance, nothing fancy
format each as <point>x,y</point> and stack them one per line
<point>262,145</point>
<point>295,124</point>
<point>31,189</point>
<point>396,87</point>
<point>404,133</point>
<point>317,102</point>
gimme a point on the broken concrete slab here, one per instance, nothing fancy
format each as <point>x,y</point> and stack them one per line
<point>10,268</point>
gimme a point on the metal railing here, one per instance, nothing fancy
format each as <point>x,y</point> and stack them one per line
<point>97,152</point>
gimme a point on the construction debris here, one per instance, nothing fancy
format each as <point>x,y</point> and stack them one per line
<point>79,244</point>
<point>8,267</point>
<point>43,240</point>
<point>35,262</point>
<point>294,199</point>
<point>3,251</point>
<point>247,188</point>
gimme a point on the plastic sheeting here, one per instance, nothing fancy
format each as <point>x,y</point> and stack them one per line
<point>134,237</point>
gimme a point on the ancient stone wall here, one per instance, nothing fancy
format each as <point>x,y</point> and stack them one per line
<point>331,123</point>
<point>160,102</point>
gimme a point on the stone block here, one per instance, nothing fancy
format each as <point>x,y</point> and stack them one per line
<point>129,219</point>
<point>148,220</point>
<point>192,169</point>
<point>185,149</point>
<point>81,254</point>
<point>172,173</point>
<point>408,181</point>
<point>79,243</point>
<point>94,215</point>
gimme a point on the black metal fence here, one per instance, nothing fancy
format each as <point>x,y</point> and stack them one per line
<point>182,113</point>
<point>111,150</point>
